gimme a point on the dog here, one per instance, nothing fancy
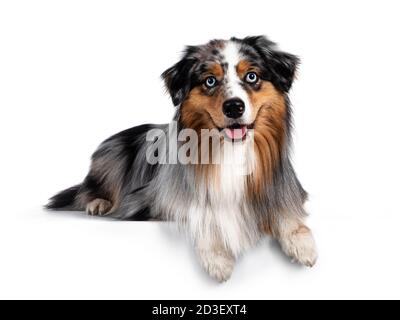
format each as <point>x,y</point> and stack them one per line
<point>237,89</point>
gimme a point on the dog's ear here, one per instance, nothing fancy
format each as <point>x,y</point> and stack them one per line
<point>282,66</point>
<point>178,78</point>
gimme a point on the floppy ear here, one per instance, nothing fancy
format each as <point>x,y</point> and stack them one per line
<point>178,78</point>
<point>282,66</point>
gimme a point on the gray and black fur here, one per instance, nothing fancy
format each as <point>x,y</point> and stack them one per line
<point>134,189</point>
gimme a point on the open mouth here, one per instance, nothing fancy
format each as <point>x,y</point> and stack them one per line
<point>237,132</point>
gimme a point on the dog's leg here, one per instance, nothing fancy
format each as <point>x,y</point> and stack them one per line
<point>215,259</point>
<point>296,239</point>
<point>97,199</point>
<point>99,207</point>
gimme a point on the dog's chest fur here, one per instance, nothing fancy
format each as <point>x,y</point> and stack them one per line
<point>219,212</point>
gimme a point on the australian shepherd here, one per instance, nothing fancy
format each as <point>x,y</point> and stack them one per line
<point>228,181</point>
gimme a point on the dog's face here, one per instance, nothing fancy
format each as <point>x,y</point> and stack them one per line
<point>231,85</point>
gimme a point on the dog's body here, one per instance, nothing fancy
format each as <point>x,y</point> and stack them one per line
<point>238,87</point>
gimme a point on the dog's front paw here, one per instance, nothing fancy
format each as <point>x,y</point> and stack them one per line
<point>219,265</point>
<point>300,245</point>
<point>99,207</point>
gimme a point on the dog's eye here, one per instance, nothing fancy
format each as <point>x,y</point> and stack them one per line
<point>251,77</point>
<point>211,82</point>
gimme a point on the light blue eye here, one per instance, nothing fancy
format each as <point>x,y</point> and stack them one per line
<point>251,77</point>
<point>211,82</point>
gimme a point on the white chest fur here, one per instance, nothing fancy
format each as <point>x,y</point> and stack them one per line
<point>219,214</point>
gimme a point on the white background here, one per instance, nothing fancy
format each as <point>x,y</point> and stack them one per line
<point>74,72</point>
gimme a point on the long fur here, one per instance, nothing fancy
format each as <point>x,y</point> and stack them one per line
<point>212,203</point>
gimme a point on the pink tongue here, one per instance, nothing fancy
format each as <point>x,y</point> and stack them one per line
<point>236,134</point>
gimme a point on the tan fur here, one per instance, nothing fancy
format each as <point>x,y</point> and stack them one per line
<point>201,111</point>
<point>204,111</point>
<point>269,110</point>
<point>215,70</point>
<point>244,67</point>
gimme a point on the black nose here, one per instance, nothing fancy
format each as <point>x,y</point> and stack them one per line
<point>233,108</point>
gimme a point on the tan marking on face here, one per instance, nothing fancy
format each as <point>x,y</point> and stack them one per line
<point>215,70</point>
<point>267,96</point>
<point>243,67</point>
<point>269,110</point>
<point>202,111</point>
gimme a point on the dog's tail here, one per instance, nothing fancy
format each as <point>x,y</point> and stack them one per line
<point>65,199</point>
<point>135,205</point>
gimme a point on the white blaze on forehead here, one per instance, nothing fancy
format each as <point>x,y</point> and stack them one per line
<point>234,89</point>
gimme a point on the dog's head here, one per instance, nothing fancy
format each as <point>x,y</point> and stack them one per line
<point>231,84</point>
